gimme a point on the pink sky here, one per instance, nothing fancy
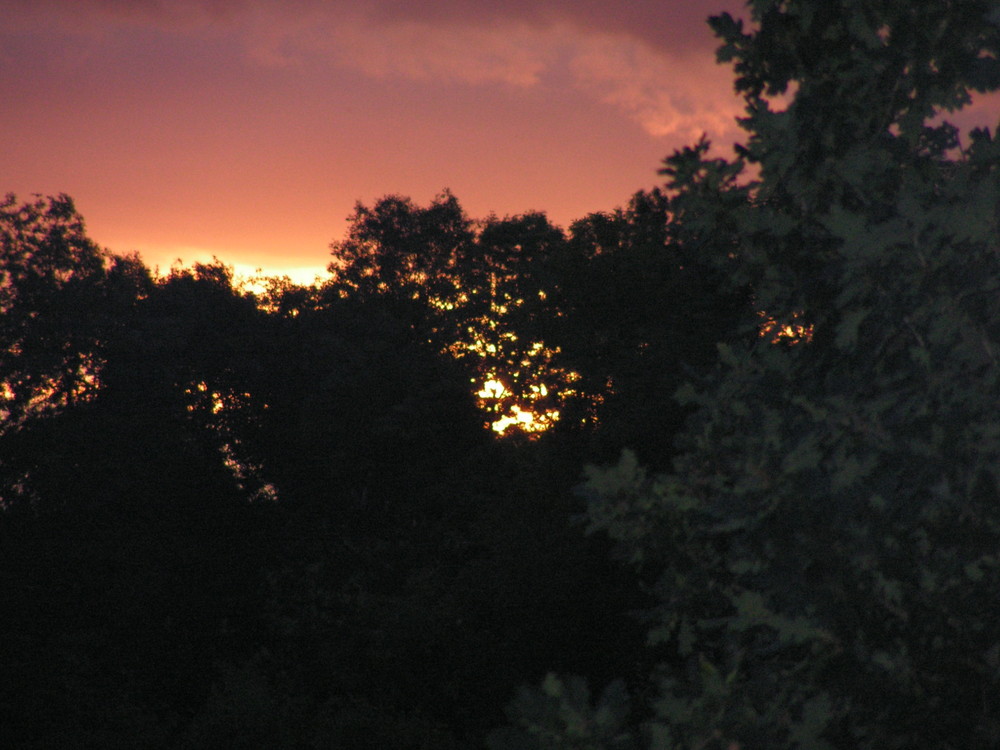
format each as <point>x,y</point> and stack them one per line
<point>248,129</point>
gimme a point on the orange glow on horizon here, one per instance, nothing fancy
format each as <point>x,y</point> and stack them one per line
<point>250,134</point>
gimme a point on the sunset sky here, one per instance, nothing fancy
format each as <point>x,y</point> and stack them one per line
<point>248,129</point>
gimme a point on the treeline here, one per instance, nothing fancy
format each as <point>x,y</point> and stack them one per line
<point>285,518</point>
<point>281,518</point>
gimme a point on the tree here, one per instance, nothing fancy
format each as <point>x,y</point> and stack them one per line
<point>642,313</point>
<point>130,550</point>
<point>824,549</point>
<point>57,294</point>
<point>503,324</point>
<point>477,290</point>
<point>400,251</point>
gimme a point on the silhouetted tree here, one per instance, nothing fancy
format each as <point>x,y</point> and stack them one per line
<point>399,251</point>
<point>641,311</point>
<point>58,295</point>
<point>475,290</point>
<point>824,548</point>
<point>129,551</point>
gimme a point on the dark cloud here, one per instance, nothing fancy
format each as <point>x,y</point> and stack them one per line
<point>670,25</point>
<point>680,24</point>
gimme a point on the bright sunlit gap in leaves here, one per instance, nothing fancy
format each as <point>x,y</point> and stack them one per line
<point>526,397</point>
<point>785,332</point>
<point>77,382</point>
<point>519,416</point>
<point>518,397</point>
<point>520,387</point>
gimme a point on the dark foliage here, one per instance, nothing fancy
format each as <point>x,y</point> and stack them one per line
<point>281,520</point>
<point>823,548</point>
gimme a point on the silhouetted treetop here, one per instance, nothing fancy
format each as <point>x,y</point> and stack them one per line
<point>60,295</point>
<point>400,250</point>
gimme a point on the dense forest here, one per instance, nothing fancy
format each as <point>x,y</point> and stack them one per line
<point>717,469</point>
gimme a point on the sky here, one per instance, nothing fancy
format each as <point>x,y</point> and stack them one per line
<point>248,129</point>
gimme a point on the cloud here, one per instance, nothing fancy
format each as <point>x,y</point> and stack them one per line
<point>669,93</point>
<point>650,60</point>
<point>88,16</point>
<point>661,25</point>
<point>668,96</point>
<point>515,54</point>
<point>668,25</point>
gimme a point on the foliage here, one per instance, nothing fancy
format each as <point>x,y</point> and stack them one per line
<point>559,716</point>
<point>824,549</point>
<point>279,518</point>
<point>58,293</point>
<point>550,328</point>
<point>641,313</point>
<point>229,519</point>
<point>400,251</point>
<point>128,550</point>
<point>503,326</point>
<point>476,290</point>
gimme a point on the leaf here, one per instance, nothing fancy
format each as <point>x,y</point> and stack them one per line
<point>985,74</point>
<point>847,328</point>
<point>816,716</point>
<point>804,456</point>
<point>686,638</point>
<point>973,571</point>
<point>626,475</point>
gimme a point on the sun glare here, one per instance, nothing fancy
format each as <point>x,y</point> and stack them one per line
<point>255,280</point>
<point>520,386</point>
<point>512,412</point>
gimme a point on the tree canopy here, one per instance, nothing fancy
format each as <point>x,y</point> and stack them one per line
<point>286,517</point>
<point>823,549</point>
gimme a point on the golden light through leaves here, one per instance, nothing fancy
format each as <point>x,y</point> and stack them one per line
<point>784,332</point>
<point>516,412</point>
<point>79,381</point>
<point>218,403</point>
<point>521,384</point>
